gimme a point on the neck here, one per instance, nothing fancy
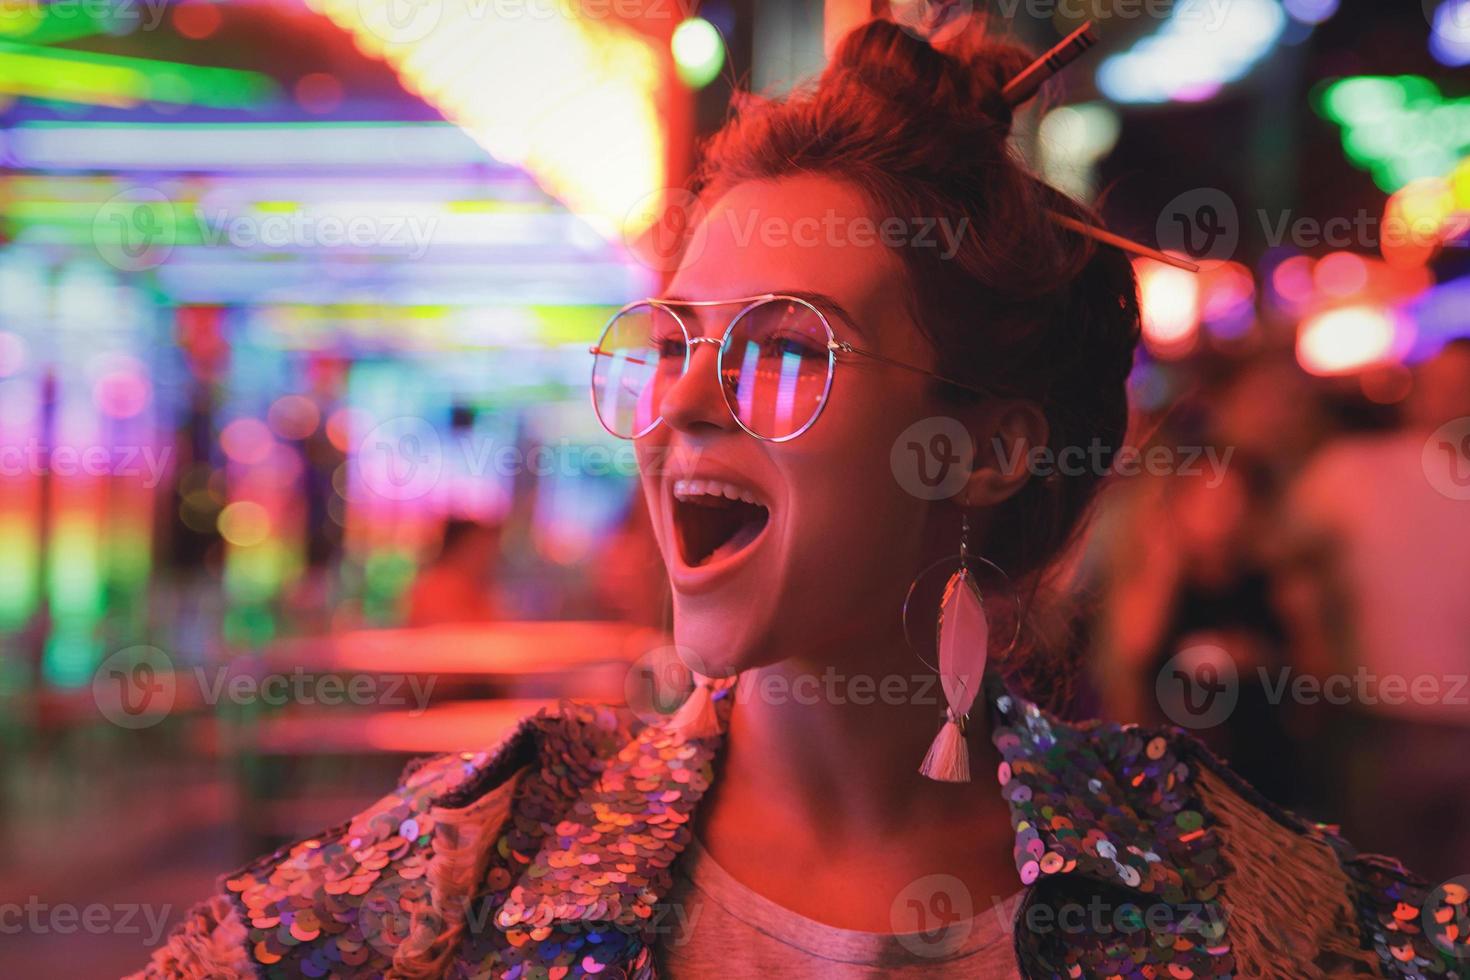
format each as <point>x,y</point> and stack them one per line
<point>837,752</point>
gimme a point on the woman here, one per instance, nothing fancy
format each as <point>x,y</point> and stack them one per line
<point>807,502</point>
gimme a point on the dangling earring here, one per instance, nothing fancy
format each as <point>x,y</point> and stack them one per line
<point>971,619</point>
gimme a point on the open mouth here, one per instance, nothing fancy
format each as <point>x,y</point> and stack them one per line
<point>715,520</point>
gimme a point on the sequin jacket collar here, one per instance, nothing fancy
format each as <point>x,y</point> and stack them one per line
<point>550,855</point>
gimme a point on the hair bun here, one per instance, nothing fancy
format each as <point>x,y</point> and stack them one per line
<point>962,76</point>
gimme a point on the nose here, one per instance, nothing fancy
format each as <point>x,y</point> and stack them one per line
<point>695,402</point>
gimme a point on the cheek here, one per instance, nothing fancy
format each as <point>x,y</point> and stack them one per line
<point>850,513</point>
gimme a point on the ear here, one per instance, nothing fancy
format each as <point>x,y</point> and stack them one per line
<point>1006,432</point>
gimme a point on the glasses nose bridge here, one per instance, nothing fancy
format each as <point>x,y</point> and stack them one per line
<point>697,396</point>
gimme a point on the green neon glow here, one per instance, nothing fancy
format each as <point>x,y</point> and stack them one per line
<point>20,571</point>
<point>57,23</point>
<point>1398,128</point>
<point>115,80</point>
<point>699,52</point>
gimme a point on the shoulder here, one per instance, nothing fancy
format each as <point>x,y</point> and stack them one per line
<point>393,883</point>
<point>1287,890</point>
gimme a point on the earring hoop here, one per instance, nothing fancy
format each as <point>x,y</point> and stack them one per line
<point>985,569</point>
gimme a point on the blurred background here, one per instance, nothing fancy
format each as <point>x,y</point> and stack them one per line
<point>299,477</point>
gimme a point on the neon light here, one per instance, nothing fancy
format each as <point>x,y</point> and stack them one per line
<point>1170,303</point>
<point>576,101</point>
<point>699,51</point>
<point>175,147</point>
<point>749,369</point>
<point>1450,42</point>
<point>1199,49</point>
<point>786,389</point>
<point>1346,340</point>
<point>1400,129</point>
<point>115,80</point>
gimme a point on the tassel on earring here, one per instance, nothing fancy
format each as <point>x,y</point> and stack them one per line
<point>697,716</point>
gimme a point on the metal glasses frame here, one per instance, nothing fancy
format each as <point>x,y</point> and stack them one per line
<point>748,303</point>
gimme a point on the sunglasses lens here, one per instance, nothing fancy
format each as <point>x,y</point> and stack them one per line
<point>777,368</point>
<point>640,355</point>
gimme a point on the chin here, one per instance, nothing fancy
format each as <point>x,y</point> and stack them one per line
<point>718,637</point>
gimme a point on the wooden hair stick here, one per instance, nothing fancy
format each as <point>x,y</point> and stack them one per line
<point>1118,241</point>
<point>1025,85</point>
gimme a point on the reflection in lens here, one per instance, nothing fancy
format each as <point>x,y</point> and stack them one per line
<point>777,367</point>
<point>640,354</point>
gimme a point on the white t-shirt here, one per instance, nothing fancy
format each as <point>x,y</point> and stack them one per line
<point>724,929</point>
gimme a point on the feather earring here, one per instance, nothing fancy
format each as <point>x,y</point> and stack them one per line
<point>964,630</point>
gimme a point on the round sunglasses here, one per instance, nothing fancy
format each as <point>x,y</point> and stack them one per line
<point>775,361</point>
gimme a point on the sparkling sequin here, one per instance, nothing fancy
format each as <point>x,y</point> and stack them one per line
<point>576,876</point>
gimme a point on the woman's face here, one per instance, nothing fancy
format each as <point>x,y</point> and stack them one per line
<point>842,539</point>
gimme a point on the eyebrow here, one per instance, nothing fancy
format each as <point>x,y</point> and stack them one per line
<point>820,300</point>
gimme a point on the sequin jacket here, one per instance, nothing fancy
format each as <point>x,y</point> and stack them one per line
<point>549,856</point>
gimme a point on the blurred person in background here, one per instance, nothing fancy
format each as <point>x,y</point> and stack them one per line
<point>1192,594</point>
<point>458,585</point>
<point>781,823</point>
<point>1388,518</point>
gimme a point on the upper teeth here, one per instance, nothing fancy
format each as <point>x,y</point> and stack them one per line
<point>686,489</point>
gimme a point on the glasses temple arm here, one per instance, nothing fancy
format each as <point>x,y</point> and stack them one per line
<point>843,345</point>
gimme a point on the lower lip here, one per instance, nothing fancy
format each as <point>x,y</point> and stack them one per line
<point>709,576</point>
